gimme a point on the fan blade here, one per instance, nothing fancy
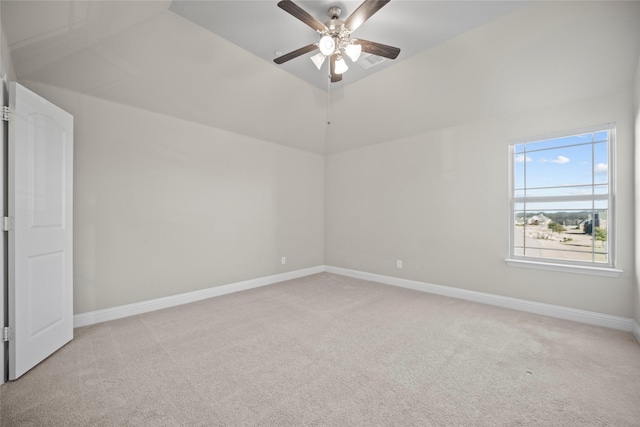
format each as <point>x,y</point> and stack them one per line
<point>363,12</point>
<point>288,56</point>
<point>301,14</point>
<point>332,67</point>
<point>378,49</point>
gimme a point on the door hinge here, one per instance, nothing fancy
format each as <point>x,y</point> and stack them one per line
<point>7,223</point>
<point>7,334</point>
<point>5,114</point>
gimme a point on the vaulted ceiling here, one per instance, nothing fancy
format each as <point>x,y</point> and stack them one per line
<point>414,26</point>
<point>461,61</point>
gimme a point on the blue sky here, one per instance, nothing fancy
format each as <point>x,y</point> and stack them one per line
<point>568,161</point>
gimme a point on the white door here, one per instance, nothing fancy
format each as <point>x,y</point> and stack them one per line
<point>40,187</point>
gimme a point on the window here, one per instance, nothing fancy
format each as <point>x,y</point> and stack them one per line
<point>562,200</point>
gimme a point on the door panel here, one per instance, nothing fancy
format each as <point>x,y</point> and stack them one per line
<point>46,172</point>
<point>45,280</point>
<point>40,166</point>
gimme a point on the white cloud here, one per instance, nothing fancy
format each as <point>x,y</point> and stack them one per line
<point>601,168</point>
<point>521,158</point>
<point>561,160</point>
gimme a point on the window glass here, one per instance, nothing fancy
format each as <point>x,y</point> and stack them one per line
<point>560,201</point>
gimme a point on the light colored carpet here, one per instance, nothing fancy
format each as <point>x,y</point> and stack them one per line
<point>331,350</point>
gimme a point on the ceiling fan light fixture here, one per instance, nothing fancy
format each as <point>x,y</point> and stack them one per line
<point>341,66</point>
<point>318,59</point>
<point>353,51</point>
<point>327,45</point>
<point>335,37</point>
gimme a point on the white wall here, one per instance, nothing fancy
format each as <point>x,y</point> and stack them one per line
<point>144,229</point>
<point>164,206</point>
<point>544,54</point>
<point>637,191</point>
<point>439,202</point>
<point>8,72</point>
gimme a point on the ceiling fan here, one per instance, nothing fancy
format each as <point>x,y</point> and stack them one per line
<point>336,41</point>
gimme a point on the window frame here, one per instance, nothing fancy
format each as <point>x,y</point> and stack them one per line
<point>586,267</point>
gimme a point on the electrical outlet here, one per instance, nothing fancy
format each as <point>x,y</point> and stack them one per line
<point>284,260</point>
<point>399,263</point>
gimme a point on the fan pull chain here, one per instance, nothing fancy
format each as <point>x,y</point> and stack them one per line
<point>328,98</point>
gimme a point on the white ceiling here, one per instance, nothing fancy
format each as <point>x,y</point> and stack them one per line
<point>263,29</point>
<point>143,54</point>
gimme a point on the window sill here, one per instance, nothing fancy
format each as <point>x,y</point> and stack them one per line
<point>538,265</point>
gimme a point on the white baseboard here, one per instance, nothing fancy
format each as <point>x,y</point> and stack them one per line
<point>582,316</point>
<point>636,330</point>
<point>99,316</point>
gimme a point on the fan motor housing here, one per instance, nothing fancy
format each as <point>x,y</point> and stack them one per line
<point>335,27</point>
